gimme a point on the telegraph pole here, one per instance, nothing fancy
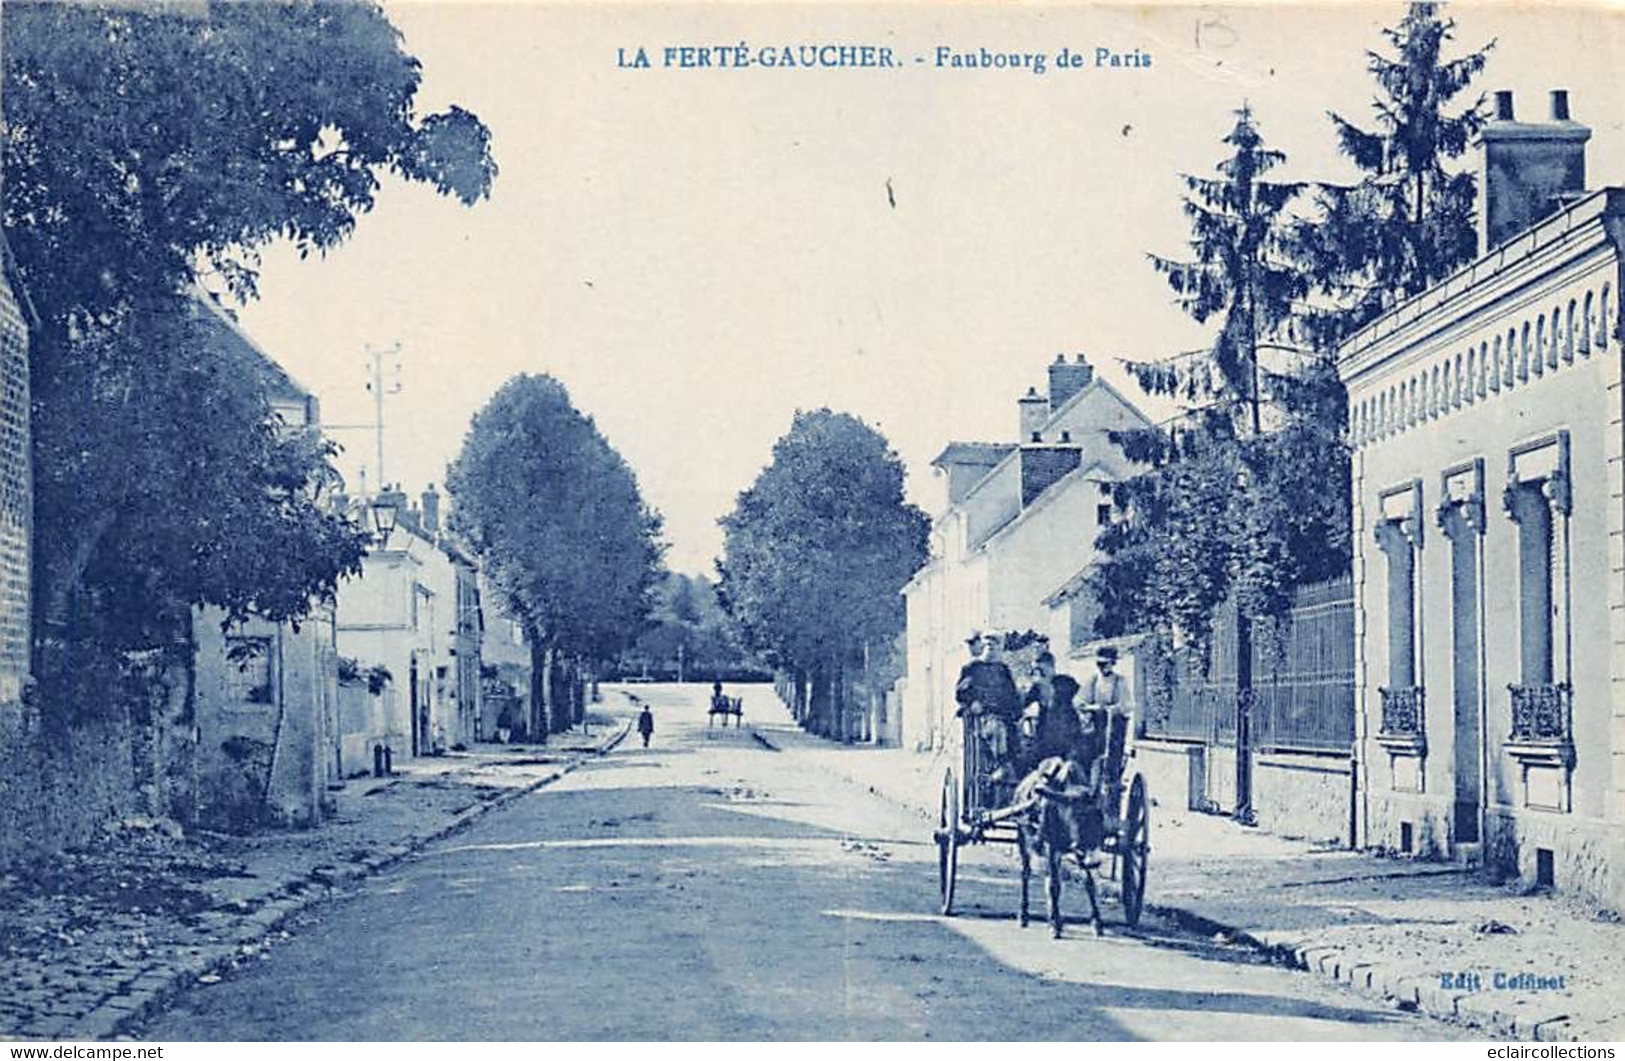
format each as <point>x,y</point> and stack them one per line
<point>380,381</point>
<point>376,385</point>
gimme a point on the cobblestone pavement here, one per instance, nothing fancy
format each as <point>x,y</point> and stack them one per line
<point>1391,927</point>
<point>708,888</point>
<point>90,940</point>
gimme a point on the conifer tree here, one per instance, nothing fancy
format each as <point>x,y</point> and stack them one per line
<point>1214,518</point>
<point>1408,223</point>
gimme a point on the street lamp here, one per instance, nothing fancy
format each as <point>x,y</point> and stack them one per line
<point>385,508</point>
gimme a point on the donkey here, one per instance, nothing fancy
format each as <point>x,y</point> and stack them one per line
<point>1059,815</point>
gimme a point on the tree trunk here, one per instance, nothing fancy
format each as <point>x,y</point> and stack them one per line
<point>550,705</point>
<point>539,659</point>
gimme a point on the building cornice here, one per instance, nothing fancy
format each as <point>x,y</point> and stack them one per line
<point>1516,265</point>
<point>1538,306</point>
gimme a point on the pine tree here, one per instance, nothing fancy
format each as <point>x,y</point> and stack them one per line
<point>1409,222</point>
<point>1209,521</point>
<point>1177,557</point>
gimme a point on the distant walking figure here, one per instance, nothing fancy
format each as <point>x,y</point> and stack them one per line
<point>646,725</point>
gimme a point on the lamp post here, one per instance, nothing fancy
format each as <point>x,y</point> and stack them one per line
<point>386,507</point>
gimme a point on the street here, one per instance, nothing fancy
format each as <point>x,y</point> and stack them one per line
<point>711,888</point>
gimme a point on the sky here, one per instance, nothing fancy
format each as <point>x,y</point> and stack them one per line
<point>698,253</point>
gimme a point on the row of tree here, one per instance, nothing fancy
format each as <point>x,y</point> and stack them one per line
<point>689,637</point>
<point>815,554</point>
<point>1245,495</point>
<point>562,532</point>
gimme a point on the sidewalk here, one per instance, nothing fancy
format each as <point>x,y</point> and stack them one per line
<point>1391,927</point>
<point>91,941</point>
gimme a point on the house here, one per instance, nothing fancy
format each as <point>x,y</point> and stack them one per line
<point>1018,528</point>
<point>266,693</point>
<point>1489,564</point>
<point>415,612</point>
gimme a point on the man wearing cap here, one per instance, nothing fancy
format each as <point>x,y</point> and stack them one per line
<point>987,692</point>
<point>1103,711</point>
<point>1104,689</point>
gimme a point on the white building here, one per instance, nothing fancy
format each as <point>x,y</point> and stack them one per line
<point>1019,527</point>
<point>1489,467</point>
<point>415,611</point>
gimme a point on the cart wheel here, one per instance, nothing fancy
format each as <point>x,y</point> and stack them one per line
<point>1134,845</point>
<point>948,842</point>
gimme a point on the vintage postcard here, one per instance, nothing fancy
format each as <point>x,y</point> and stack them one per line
<point>750,522</point>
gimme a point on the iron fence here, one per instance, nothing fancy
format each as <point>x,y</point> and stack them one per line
<point>1303,679</point>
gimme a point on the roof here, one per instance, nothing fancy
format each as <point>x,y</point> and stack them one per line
<point>1083,474</point>
<point>1090,388</point>
<point>1096,381</point>
<point>989,453</point>
<point>1597,206</point>
<point>243,344</point>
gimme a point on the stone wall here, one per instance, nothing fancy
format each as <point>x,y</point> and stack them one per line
<point>1304,796</point>
<point>124,750</point>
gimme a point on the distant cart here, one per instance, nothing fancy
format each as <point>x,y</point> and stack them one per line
<point>1049,816</point>
<point>725,708</point>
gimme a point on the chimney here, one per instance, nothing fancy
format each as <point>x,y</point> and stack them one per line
<point>1034,411</point>
<point>1527,168</point>
<point>1066,379</point>
<point>1044,466</point>
<point>431,510</point>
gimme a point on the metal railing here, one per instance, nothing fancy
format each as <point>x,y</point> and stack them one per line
<point>1303,679</point>
<point>1542,712</point>
<point>1403,711</point>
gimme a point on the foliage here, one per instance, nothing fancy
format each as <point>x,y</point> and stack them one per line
<point>141,140</point>
<point>1242,277</point>
<point>557,519</point>
<point>1245,495</point>
<point>1409,222</point>
<point>689,619</point>
<point>817,549</point>
<point>162,481</point>
<point>376,676</point>
<point>146,147</point>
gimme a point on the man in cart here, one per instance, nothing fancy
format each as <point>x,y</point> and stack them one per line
<point>987,693</point>
<point>1103,711</point>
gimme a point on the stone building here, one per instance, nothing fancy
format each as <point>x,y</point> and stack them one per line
<point>1486,420</point>
<point>1019,525</point>
<point>266,693</point>
<point>16,486</point>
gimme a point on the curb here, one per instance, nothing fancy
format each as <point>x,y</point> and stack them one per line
<point>144,996</point>
<point>1337,964</point>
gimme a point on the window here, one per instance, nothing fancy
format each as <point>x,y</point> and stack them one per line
<point>1398,535</point>
<point>1103,515</point>
<point>248,670</point>
<point>1537,500</point>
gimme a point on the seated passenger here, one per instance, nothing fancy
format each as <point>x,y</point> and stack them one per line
<point>1054,728</point>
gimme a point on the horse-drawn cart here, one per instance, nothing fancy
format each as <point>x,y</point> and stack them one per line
<point>1061,809</point>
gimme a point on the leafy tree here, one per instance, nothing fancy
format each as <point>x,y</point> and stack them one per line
<point>145,148</point>
<point>1409,222</point>
<point>816,553</point>
<point>1196,533</point>
<point>557,518</point>
<point>1244,496</point>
